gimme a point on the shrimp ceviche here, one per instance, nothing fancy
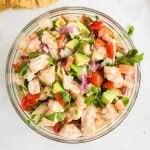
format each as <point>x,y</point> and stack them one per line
<point>72,75</point>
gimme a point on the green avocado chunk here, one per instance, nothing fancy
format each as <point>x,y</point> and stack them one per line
<point>76,69</point>
<point>84,30</point>
<point>57,87</point>
<point>81,59</point>
<point>60,22</point>
<point>72,44</point>
<point>108,96</point>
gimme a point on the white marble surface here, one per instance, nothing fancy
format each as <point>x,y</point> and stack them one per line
<point>133,133</point>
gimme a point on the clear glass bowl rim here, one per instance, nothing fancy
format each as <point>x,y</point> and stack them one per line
<point>8,70</point>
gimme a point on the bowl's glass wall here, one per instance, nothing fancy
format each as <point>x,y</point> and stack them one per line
<point>53,14</point>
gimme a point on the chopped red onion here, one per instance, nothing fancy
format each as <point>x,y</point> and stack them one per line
<point>44,47</point>
<point>23,57</point>
<point>94,66</point>
<point>84,82</point>
<point>67,29</point>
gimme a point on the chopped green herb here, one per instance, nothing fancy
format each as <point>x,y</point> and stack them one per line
<point>125,100</point>
<point>58,116</point>
<point>130,30</point>
<point>33,55</point>
<point>51,61</point>
<point>40,33</point>
<point>131,58</point>
<point>66,96</point>
<point>23,68</point>
<point>29,120</point>
<point>96,17</point>
<point>89,100</point>
<point>95,89</point>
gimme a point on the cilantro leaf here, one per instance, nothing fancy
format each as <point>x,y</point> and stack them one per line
<point>95,90</point>
<point>51,61</point>
<point>58,116</point>
<point>131,30</point>
<point>23,68</point>
<point>125,101</point>
<point>66,96</point>
<point>33,55</point>
<point>40,34</point>
<point>89,100</point>
<point>131,58</point>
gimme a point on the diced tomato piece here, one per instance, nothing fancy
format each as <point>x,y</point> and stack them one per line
<point>110,50</point>
<point>108,85</point>
<point>59,98</point>
<point>69,62</point>
<point>95,25</point>
<point>57,127</point>
<point>16,66</point>
<point>95,78</point>
<point>61,41</point>
<point>29,101</point>
<point>99,43</point>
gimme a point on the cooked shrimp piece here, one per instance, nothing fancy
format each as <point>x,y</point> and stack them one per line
<point>109,112</point>
<point>44,23</point>
<point>75,90</point>
<point>34,86</point>
<point>39,63</point>
<point>65,52</point>
<point>73,113</point>
<point>87,120</point>
<point>87,49</point>
<point>51,43</point>
<point>119,106</point>
<point>113,74</point>
<point>48,75</point>
<point>80,102</point>
<point>46,122</point>
<point>71,85</point>
<point>69,62</point>
<point>99,54</point>
<point>43,95</point>
<point>39,111</point>
<point>33,45</point>
<point>126,69</point>
<point>104,30</point>
<point>55,106</point>
<point>25,42</point>
<point>70,131</point>
<point>99,121</point>
<point>75,30</point>
<point>29,75</point>
<point>67,80</point>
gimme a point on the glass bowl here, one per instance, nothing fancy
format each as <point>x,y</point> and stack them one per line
<point>53,14</point>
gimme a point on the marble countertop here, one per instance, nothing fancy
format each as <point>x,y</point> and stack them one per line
<point>133,133</point>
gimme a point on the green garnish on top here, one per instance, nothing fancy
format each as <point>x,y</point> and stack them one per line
<point>57,116</point>
<point>23,68</point>
<point>131,58</point>
<point>131,30</point>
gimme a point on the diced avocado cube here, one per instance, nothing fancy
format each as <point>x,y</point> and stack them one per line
<point>77,69</point>
<point>84,30</point>
<point>60,22</point>
<point>81,59</point>
<point>57,87</point>
<point>59,72</point>
<point>72,44</point>
<point>109,96</point>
